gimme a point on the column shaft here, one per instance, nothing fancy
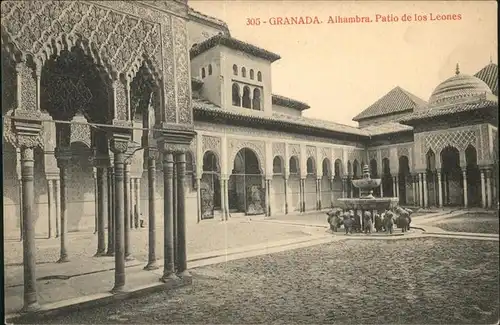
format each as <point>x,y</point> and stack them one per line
<point>198,199</point>
<point>50,205</point>
<point>440,189</point>
<point>29,247</point>
<point>111,213</point>
<point>483,190</point>
<point>168,211</point>
<point>126,210</point>
<point>286,194</point>
<point>132,203</point>
<point>137,209</point>
<point>58,206</point>
<point>181,213</point>
<point>119,222</point>
<point>464,179</point>
<point>152,264</point>
<point>489,201</point>
<point>63,175</point>
<point>102,212</point>
<point>222,200</point>
<point>424,185</point>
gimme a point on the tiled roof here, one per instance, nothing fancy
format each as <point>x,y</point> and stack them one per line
<point>211,19</point>
<point>280,118</point>
<point>288,102</point>
<point>395,101</point>
<point>196,83</point>
<point>204,105</point>
<point>489,74</point>
<point>234,44</point>
<point>387,128</point>
<point>449,109</point>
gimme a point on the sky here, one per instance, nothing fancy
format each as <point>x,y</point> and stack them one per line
<point>341,69</point>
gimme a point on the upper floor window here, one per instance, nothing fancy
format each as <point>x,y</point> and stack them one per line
<point>235,69</point>
<point>259,76</point>
<point>236,95</point>
<point>209,69</point>
<point>251,74</point>
<point>203,72</point>
<point>243,72</point>
<point>256,99</point>
<point>246,102</point>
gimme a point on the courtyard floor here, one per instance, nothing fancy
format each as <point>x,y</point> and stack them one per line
<point>218,242</point>
<point>417,281</point>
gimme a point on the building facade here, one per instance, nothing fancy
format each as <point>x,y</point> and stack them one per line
<point>116,109</point>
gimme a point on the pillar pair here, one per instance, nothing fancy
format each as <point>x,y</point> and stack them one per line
<point>175,254</point>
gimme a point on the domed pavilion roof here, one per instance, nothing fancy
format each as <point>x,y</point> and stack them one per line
<point>457,88</point>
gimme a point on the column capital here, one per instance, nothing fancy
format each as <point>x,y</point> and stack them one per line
<point>63,156</point>
<point>119,143</point>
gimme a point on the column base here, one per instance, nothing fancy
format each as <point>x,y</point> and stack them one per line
<point>168,278</point>
<point>151,266</point>
<point>63,259</point>
<point>29,308</point>
<point>109,253</point>
<point>118,289</point>
<point>100,254</point>
<point>186,277</point>
<point>129,258</point>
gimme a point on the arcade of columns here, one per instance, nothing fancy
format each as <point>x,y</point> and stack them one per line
<point>119,39</point>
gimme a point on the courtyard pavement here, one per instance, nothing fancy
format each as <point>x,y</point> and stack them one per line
<point>208,243</point>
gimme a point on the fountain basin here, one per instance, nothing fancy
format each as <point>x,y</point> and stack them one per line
<point>366,183</point>
<point>378,204</point>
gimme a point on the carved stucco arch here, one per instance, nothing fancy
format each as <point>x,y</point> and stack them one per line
<point>211,144</point>
<point>113,39</point>
<point>407,152</point>
<point>459,139</point>
<point>151,67</point>
<point>257,147</point>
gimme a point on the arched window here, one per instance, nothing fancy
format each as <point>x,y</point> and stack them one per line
<point>251,74</point>
<point>294,165</point>
<point>236,95</point>
<point>256,99</point>
<point>310,166</point>
<point>235,69</point>
<point>243,72</point>
<point>259,76</point>
<point>203,72</point>
<point>246,97</point>
<point>209,69</point>
<point>277,166</point>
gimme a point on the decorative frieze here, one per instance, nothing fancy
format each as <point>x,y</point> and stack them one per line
<point>279,149</point>
<point>235,145</point>
<point>211,143</point>
<point>311,152</point>
<point>294,150</point>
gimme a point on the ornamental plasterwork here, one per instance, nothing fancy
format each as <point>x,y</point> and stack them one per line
<point>80,133</point>
<point>247,131</point>
<point>325,153</point>
<point>311,152</point>
<point>279,149</point>
<point>385,153</point>
<point>484,138</point>
<point>182,64</point>
<point>337,154</point>
<point>294,150</point>
<point>459,139</point>
<point>211,143</point>
<point>403,151</point>
<point>372,155</point>
<point>258,147</point>
<point>110,37</point>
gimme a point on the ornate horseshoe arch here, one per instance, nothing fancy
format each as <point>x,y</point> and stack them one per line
<point>256,146</point>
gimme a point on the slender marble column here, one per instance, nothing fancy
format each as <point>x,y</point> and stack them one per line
<point>332,197</point>
<point>445,189</point>
<point>343,187</point>
<point>137,202</point>
<point>50,203</point>
<point>226,193</point>
<point>396,184</point>
<point>102,212</point>
<point>286,194</point>
<point>318,193</point>
<point>181,213</point>
<point>176,213</point>
<point>483,190</point>
<point>303,195</point>
<point>420,190</point>
<point>111,213</point>
<point>268,194</point>
<point>440,189</point>
<point>168,224</point>
<point>63,163</point>
<point>464,179</point>
<point>198,199</point>
<point>21,209</point>
<point>96,212</point>
<point>58,206</point>
<point>119,207</point>
<point>489,200</point>
<point>29,248</point>
<point>126,209</point>
<point>132,203</point>
<point>414,190</point>
<point>152,264</point>
<point>424,185</point>
<point>381,189</point>
<point>222,200</point>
